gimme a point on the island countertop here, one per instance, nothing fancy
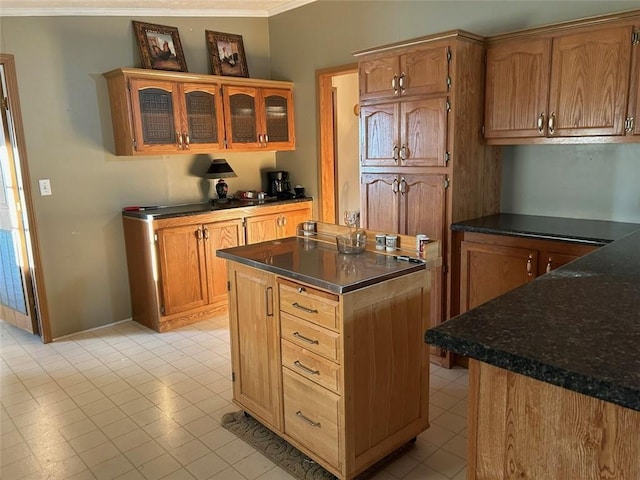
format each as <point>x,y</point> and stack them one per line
<point>319,263</point>
<point>577,327</point>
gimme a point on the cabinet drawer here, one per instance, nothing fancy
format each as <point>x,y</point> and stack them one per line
<point>311,416</point>
<point>307,335</point>
<point>313,305</point>
<point>311,366</point>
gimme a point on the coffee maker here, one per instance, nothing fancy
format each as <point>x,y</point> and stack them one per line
<point>278,184</point>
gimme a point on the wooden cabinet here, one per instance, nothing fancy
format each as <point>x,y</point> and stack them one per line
<point>407,133</point>
<point>347,380</point>
<point>633,121</point>
<point>272,226</point>
<point>157,113</point>
<point>423,162</point>
<point>259,118</point>
<point>411,71</point>
<point>191,274</point>
<point>407,204</point>
<point>175,276</point>
<point>255,341</point>
<point>562,83</point>
<point>491,265</point>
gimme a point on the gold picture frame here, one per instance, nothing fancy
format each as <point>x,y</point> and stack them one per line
<point>160,47</point>
<point>226,53</point>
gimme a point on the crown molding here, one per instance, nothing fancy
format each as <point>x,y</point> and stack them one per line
<point>146,12</point>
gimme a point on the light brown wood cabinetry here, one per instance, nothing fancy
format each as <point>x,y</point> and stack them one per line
<point>491,265</point>
<point>272,226</point>
<point>259,118</point>
<point>407,133</point>
<point>342,377</point>
<point>175,277</point>
<point>520,427</point>
<point>156,112</point>
<point>405,204</point>
<point>561,84</point>
<point>423,163</point>
<point>633,125</point>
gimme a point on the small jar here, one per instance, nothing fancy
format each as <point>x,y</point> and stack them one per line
<point>381,240</point>
<point>309,228</point>
<point>391,243</point>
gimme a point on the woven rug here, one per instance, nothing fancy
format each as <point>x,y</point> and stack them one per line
<point>286,455</point>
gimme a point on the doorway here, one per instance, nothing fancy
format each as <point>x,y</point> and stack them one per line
<point>21,301</point>
<point>338,141</point>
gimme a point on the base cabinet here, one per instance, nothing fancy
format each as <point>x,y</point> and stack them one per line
<point>491,265</point>
<point>175,277</point>
<point>344,378</point>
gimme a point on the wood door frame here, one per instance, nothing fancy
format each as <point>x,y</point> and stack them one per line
<point>326,138</point>
<point>11,80</point>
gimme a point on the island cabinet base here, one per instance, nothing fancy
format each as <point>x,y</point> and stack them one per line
<point>342,377</point>
<point>526,429</point>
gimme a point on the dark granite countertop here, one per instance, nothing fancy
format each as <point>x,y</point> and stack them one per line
<point>577,327</point>
<point>158,212</point>
<point>590,232</point>
<point>319,263</point>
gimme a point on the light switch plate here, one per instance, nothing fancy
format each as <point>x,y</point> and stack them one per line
<point>45,187</point>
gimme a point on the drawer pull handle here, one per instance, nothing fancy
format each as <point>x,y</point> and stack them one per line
<point>549,263</point>
<point>309,421</point>
<point>304,309</point>
<point>306,369</point>
<point>305,339</point>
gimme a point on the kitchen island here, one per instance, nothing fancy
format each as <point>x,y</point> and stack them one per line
<point>555,372</point>
<point>327,348</point>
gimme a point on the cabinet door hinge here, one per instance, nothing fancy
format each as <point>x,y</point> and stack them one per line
<point>446,183</point>
<point>448,54</point>
<point>5,103</point>
<point>635,37</point>
<point>447,157</point>
<point>233,376</point>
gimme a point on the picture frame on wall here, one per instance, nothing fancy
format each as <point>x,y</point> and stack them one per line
<point>226,53</point>
<point>160,47</point>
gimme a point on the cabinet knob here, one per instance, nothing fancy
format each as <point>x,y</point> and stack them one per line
<point>401,82</point>
<point>394,84</point>
<point>301,289</point>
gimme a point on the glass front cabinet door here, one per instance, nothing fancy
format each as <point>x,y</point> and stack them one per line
<point>180,117</point>
<point>259,118</point>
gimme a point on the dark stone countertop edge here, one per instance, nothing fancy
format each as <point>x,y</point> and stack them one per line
<point>188,209</point>
<point>316,282</point>
<point>606,391</point>
<point>572,230</point>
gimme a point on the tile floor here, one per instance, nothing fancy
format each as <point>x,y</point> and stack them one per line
<point>124,402</point>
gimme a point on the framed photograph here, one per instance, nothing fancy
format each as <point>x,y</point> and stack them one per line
<point>160,47</point>
<point>226,52</point>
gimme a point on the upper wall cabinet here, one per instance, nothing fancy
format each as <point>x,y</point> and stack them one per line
<point>566,84</point>
<point>415,71</point>
<point>159,113</point>
<point>259,118</point>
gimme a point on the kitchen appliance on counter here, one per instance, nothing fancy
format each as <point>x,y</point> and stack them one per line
<point>278,184</point>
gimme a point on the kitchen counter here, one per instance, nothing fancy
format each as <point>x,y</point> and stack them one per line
<point>589,232</point>
<point>577,327</point>
<point>172,211</point>
<point>319,263</point>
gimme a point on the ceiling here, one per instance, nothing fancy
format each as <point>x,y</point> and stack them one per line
<point>149,8</point>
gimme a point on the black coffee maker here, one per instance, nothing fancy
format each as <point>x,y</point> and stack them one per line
<point>278,184</point>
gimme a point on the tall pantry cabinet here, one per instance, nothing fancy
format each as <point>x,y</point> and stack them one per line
<point>423,162</point>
